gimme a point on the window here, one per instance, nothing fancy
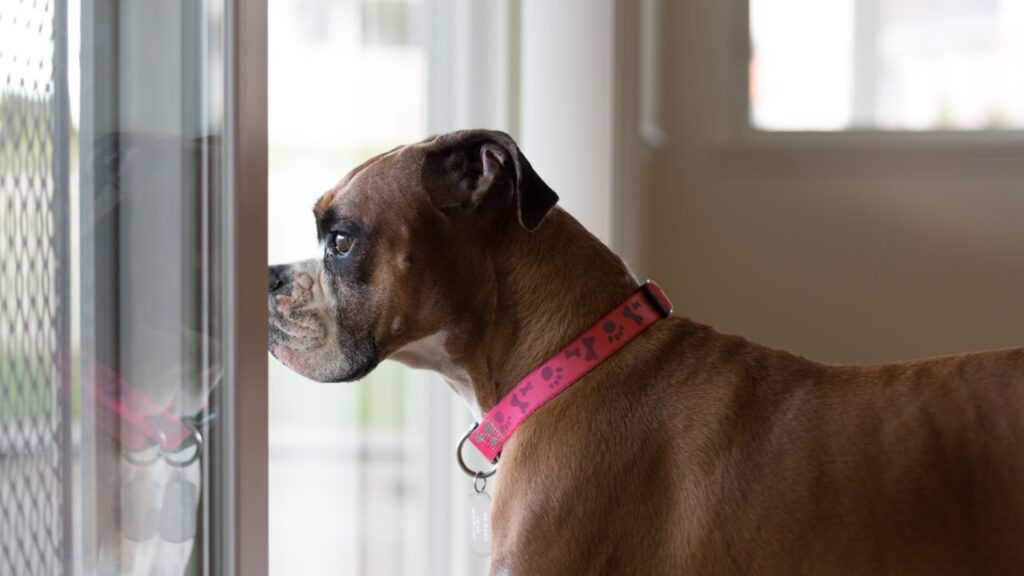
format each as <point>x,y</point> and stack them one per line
<point>355,465</point>
<point>363,478</point>
<point>119,349</point>
<point>886,64</point>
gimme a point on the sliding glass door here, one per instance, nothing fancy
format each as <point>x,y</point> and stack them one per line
<point>122,286</point>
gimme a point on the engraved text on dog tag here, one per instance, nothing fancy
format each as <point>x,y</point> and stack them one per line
<point>178,513</point>
<point>480,523</point>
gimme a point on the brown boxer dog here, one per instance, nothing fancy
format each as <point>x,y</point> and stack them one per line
<point>688,451</point>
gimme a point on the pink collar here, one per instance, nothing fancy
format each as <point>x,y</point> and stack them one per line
<point>626,321</point>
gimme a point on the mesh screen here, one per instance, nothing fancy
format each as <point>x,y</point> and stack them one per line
<point>33,409</point>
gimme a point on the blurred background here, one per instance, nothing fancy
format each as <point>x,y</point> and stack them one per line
<point>840,178</point>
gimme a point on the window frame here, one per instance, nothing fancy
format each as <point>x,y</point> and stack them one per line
<point>740,138</point>
<point>245,481</point>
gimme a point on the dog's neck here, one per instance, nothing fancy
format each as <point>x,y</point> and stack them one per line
<point>551,285</point>
<point>544,288</point>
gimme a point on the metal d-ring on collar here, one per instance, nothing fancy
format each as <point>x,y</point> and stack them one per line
<point>193,439</point>
<point>475,474</point>
<point>197,439</point>
<point>137,457</point>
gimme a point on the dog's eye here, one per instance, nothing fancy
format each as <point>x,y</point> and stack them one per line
<point>341,244</point>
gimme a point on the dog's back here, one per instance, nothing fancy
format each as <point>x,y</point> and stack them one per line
<point>797,467</point>
<point>702,453</point>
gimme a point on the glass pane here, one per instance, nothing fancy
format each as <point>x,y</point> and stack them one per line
<point>110,298</point>
<point>887,64</point>
<point>344,458</point>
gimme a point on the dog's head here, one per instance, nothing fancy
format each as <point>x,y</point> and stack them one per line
<point>407,238</point>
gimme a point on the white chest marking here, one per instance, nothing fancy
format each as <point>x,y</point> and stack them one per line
<point>430,353</point>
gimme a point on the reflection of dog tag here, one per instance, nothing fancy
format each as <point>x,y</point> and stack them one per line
<point>178,513</point>
<point>480,523</point>
<point>138,509</point>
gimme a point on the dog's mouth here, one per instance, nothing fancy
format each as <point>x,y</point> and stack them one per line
<point>294,325</point>
<point>301,333</point>
<point>302,341</point>
<point>361,371</point>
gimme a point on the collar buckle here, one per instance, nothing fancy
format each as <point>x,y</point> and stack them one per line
<point>657,297</point>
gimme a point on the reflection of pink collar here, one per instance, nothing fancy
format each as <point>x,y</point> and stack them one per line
<point>114,406</point>
<point>627,320</point>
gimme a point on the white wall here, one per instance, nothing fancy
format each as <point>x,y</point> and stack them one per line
<point>841,250</point>
<point>566,110</point>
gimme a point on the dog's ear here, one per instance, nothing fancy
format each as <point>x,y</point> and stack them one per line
<point>470,167</point>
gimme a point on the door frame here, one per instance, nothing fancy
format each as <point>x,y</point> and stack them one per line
<point>245,503</point>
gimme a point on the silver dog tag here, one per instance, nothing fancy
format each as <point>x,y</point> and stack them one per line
<point>178,513</point>
<point>480,523</point>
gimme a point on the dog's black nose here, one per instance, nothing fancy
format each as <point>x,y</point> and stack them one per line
<point>276,278</point>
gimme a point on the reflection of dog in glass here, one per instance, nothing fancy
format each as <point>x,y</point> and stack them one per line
<point>146,407</point>
<point>154,445</point>
<point>687,451</point>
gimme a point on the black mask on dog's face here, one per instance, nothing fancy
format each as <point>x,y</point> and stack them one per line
<point>406,240</point>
